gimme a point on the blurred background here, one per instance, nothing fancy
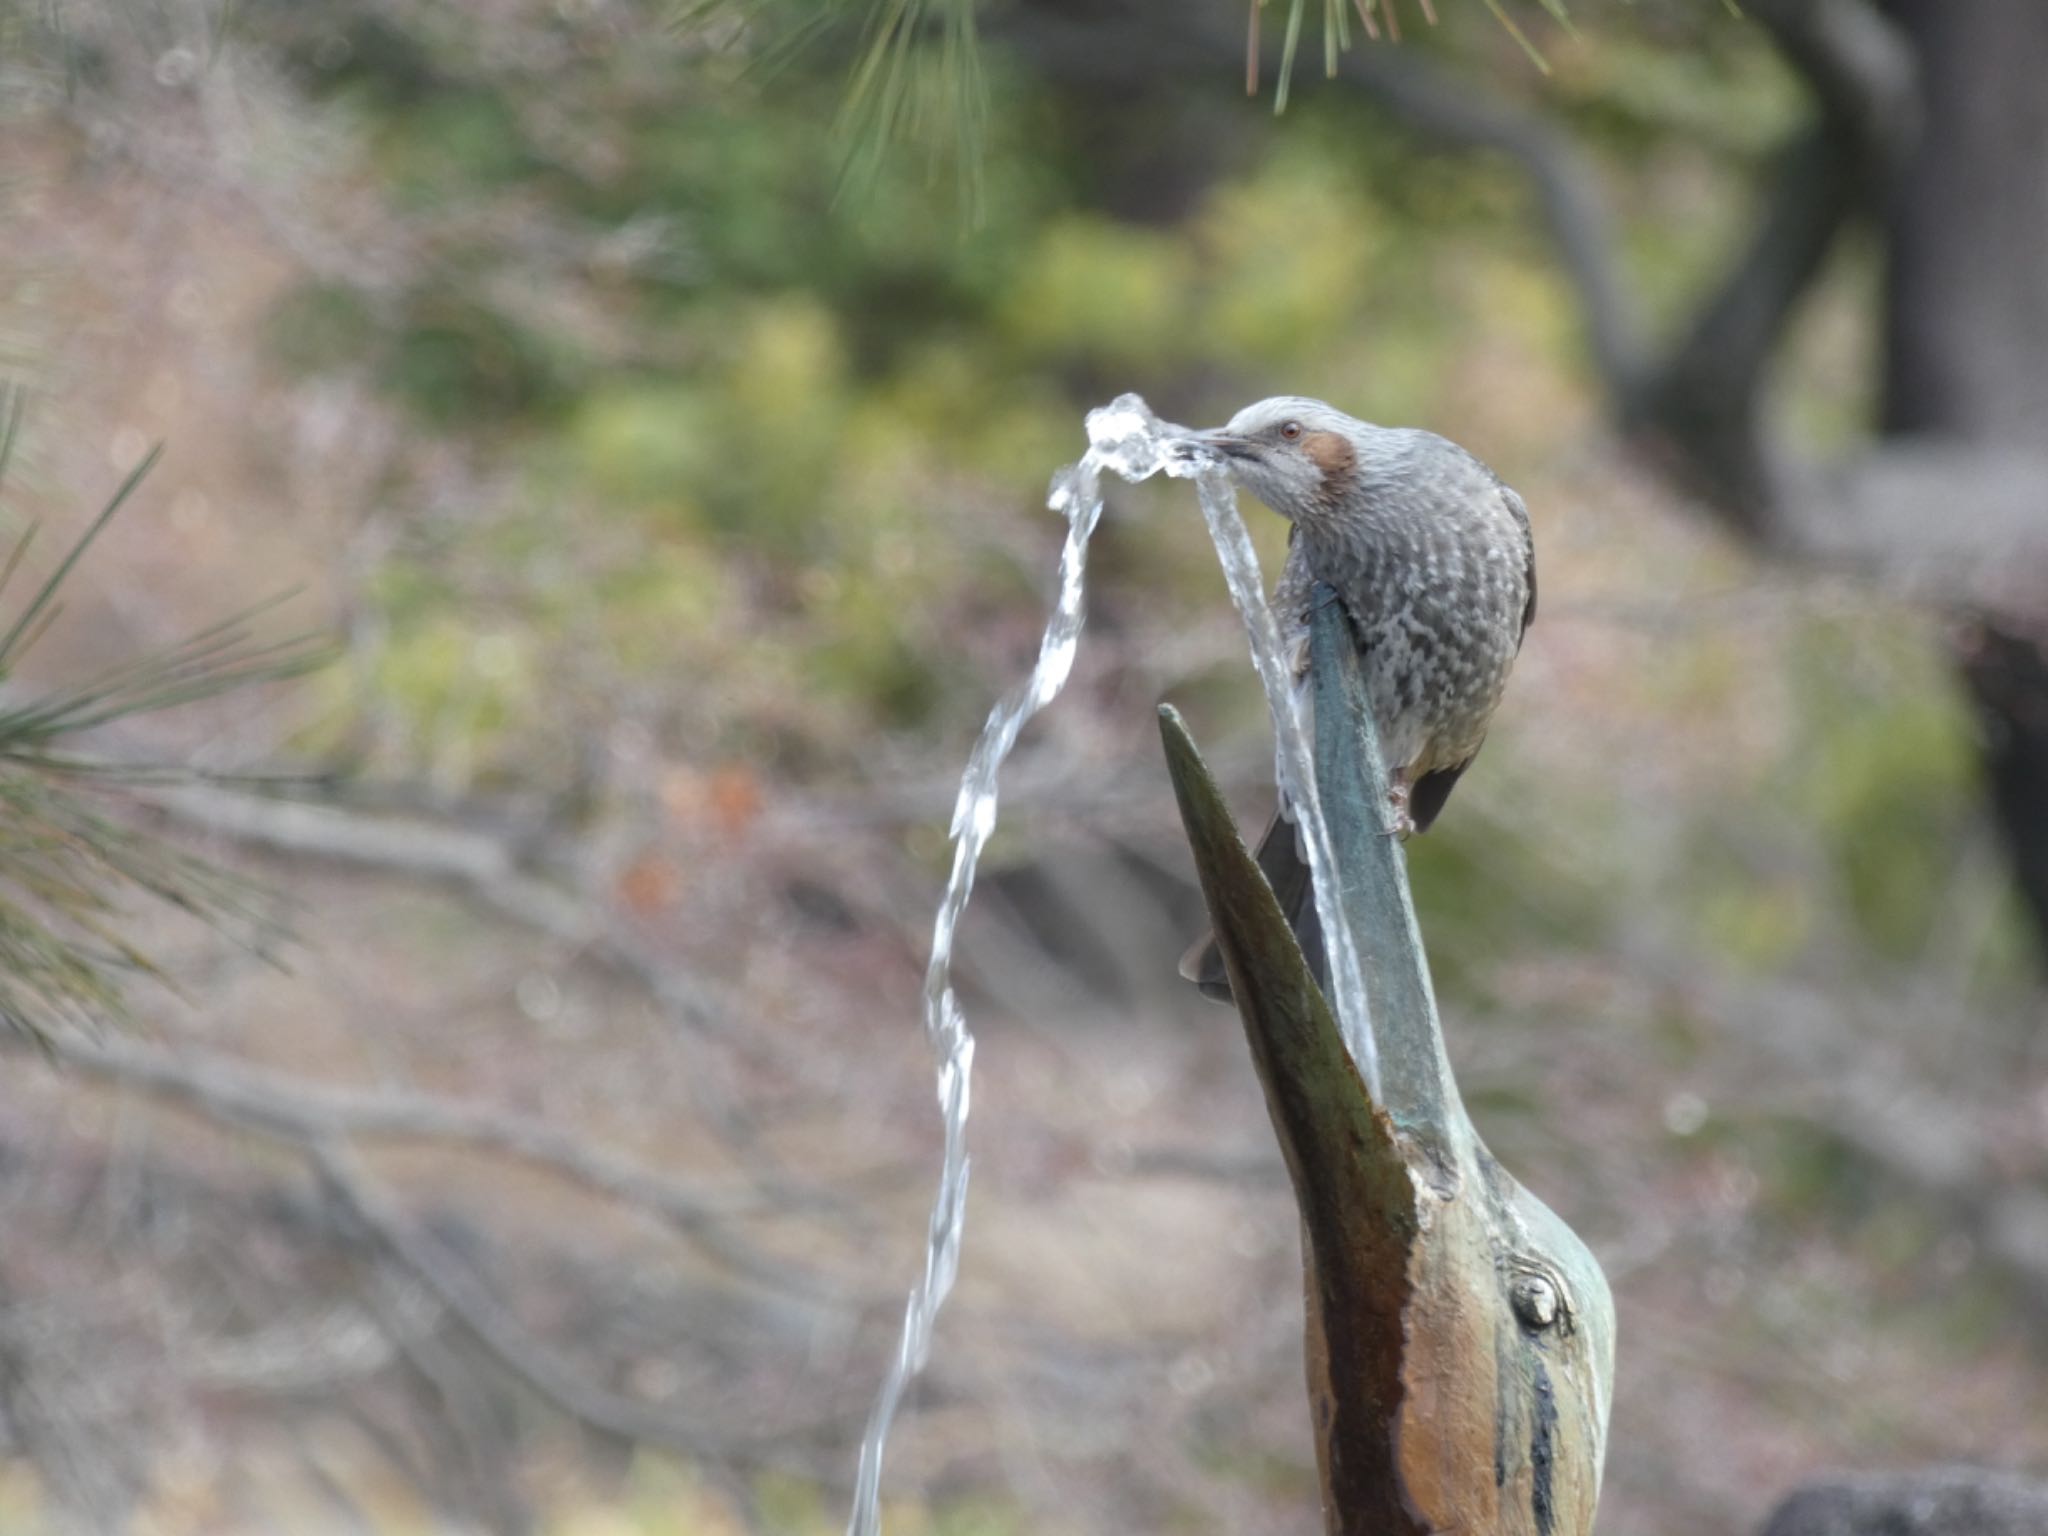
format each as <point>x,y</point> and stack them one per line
<point>667,442</point>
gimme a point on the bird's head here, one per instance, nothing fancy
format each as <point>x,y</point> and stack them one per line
<point>1296,455</point>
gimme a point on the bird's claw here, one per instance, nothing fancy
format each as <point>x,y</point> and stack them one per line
<point>1399,822</point>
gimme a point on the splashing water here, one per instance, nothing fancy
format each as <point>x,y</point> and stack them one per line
<point>1127,439</point>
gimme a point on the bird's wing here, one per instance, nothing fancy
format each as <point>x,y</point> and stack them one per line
<point>1292,594</point>
<point>1426,799</point>
<point>1520,509</point>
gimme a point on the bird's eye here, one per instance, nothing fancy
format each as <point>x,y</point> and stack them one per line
<point>1290,430</point>
<point>1539,1300</point>
<point>1534,1299</point>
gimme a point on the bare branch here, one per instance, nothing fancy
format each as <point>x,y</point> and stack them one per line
<point>318,1123</point>
<point>480,1312</point>
<point>1936,1149</point>
<point>1698,407</point>
<point>304,1115</point>
<point>1823,1042</point>
<point>1698,404</point>
<point>1859,66</point>
<point>484,868</point>
<point>1939,520</point>
<point>1704,399</point>
<point>489,871</point>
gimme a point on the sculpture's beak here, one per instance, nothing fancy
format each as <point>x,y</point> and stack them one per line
<point>1461,1336</point>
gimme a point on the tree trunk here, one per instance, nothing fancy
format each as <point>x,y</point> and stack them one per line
<point>1966,326</point>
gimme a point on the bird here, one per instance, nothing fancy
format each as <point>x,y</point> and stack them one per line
<point>1431,557</point>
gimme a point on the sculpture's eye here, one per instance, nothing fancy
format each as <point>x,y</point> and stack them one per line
<point>1535,1300</point>
<point>1290,430</point>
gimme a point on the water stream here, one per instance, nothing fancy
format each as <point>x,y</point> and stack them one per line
<point>1294,755</point>
<point>1125,438</point>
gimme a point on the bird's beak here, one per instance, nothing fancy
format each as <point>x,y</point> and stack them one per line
<point>1218,442</point>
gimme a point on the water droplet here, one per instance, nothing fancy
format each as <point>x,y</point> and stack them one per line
<point>176,67</point>
<point>1685,1113</point>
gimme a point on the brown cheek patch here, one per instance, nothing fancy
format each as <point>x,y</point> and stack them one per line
<point>1331,452</point>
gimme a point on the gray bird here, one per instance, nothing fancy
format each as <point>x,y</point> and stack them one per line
<point>1431,557</point>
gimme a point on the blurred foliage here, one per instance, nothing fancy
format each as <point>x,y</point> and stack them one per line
<point>1885,773</point>
<point>746,419</point>
<point>807,395</point>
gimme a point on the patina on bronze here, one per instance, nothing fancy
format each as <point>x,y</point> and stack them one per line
<point>1460,1335</point>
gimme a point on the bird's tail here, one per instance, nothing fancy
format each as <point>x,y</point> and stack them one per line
<point>1280,859</point>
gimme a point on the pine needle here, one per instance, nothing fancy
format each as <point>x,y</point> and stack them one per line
<point>898,92</point>
<point>71,864</point>
<point>11,407</point>
<point>1287,48</point>
<point>1514,31</point>
<point>1374,16</point>
<point>9,653</point>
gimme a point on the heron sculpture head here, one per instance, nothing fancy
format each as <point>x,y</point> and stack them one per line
<point>1460,1335</point>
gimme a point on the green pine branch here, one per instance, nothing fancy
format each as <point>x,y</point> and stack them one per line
<point>917,75</point>
<point>918,70</point>
<point>73,864</point>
